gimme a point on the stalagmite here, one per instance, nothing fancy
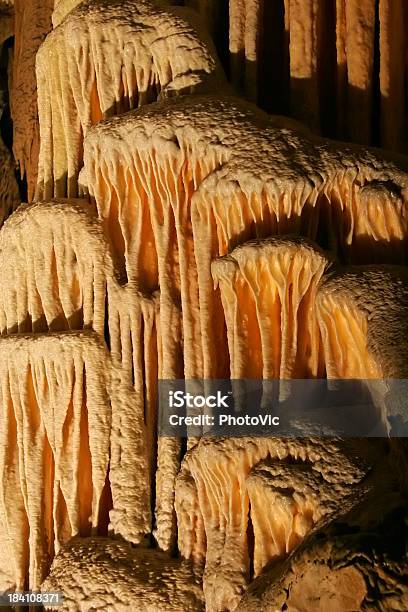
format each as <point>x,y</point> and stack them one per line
<point>9,193</point>
<point>268,290</point>
<point>55,432</point>
<point>218,498</point>
<point>110,575</point>
<point>32,24</point>
<point>105,58</point>
<point>181,171</point>
<point>67,281</point>
<point>362,314</point>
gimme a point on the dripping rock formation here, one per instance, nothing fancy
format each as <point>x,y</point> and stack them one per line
<point>188,216</point>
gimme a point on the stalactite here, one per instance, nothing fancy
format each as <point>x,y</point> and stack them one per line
<point>67,281</point>
<point>32,24</point>
<point>55,433</point>
<point>56,282</point>
<point>339,568</point>
<point>213,514</point>
<point>161,173</point>
<point>9,193</point>
<point>360,37</point>
<point>291,515</point>
<point>346,58</point>
<point>212,241</point>
<point>133,334</point>
<point>393,45</point>
<point>304,51</point>
<point>268,290</point>
<point>362,313</point>
<point>245,24</point>
<point>193,194</point>
<point>83,78</point>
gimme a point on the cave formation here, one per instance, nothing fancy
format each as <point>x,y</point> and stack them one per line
<point>200,189</point>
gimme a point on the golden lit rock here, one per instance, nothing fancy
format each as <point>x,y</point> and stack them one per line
<point>188,187</point>
<point>105,58</point>
<point>228,486</point>
<point>32,22</point>
<point>268,290</point>
<point>362,313</point>
<point>55,438</point>
<point>180,232</point>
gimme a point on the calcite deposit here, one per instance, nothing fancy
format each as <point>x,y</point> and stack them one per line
<point>272,284</point>
<point>374,302</point>
<point>175,231</point>
<point>9,192</point>
<point>32,22</point>
<point>101,573</point>
<point>105,58</point>
<point>229,488</point>
<point>191,156</point>
<point>55,433</point>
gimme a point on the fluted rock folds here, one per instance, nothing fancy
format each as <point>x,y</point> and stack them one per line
<point>201,175</point>
<point>105,58</point>
<point>69,295</point>
<point>242,502</point>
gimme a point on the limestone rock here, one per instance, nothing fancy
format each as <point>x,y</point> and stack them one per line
<point>219,498</point>
<point>100,573</point>
<point>113,56</point>
<point>201,175</point>
<point>32,24</point>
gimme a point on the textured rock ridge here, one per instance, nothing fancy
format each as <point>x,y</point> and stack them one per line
<point>109,574</point>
